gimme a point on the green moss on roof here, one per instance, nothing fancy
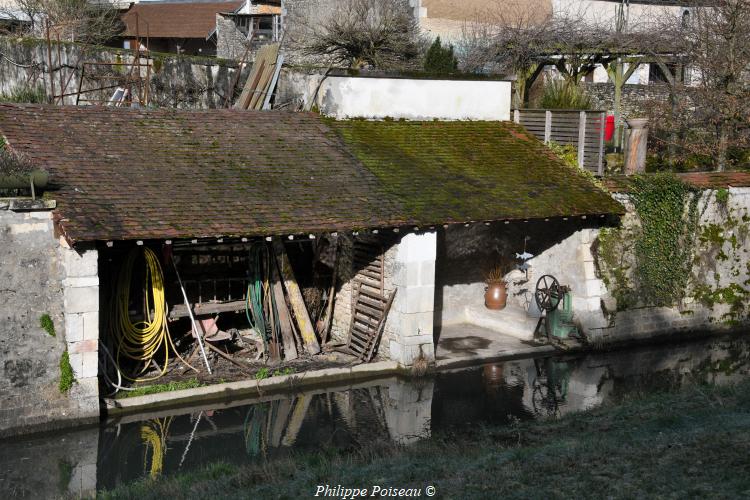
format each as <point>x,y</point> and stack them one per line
<point>469,170</point>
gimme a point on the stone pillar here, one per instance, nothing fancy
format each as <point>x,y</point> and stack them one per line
<point>414,305</point>
<point>81,311</point>
<point>635,157</point>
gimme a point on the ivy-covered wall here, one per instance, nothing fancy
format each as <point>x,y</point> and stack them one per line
<point>679,260</point>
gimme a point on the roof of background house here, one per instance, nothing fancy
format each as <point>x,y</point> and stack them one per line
<point>124,174</point>
<point>175,20</point>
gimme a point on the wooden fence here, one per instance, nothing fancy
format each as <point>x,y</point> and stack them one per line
<point>582,129</point>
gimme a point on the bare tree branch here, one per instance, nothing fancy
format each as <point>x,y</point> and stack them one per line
<point>355,33</point>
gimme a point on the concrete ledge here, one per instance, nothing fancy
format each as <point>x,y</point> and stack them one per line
<point>245,388</point>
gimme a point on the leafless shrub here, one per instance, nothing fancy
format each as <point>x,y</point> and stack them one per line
<point>707,120</point>
<point>355,33</point>
<point>12,163</point>
<point>73,20</point>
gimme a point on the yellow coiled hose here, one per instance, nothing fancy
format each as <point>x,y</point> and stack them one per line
<point>141,341</point>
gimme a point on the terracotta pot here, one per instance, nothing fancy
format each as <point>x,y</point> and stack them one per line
<point>495,295</point>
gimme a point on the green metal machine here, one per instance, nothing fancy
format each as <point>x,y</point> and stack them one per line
<point>556,302</point>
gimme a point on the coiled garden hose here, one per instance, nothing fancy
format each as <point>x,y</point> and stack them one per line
<point>142,340</point>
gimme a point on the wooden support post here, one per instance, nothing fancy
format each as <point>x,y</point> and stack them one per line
<point>581,138</point>
<point>295,297</point>
<point>285,320</point>
<point>547,126</point>
<point>517,116</point>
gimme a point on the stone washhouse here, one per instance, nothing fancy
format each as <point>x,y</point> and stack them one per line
<point>441,199</point>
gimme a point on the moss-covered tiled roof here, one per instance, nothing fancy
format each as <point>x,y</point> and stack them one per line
<point>125,174</point>
<point>471,171</point>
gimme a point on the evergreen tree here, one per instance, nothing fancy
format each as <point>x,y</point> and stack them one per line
<point>440,60</point>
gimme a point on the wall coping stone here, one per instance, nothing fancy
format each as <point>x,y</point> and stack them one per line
<point>26,204</point>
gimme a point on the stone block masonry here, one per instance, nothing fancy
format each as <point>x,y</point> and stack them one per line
<point>40,277</point>
<point>411,317</point>
<point>81,310</point>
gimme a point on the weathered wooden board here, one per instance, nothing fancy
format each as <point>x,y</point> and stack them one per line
<point>259,79</point>
<point>285,320</point>
<point>295,297</point>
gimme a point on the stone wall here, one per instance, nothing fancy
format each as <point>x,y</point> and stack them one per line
<point>231,42</point>
<point>716,297</point>
<point>636,99</point>
<point>297,86</point>
<point>176,81</point>
<point>36,276</point>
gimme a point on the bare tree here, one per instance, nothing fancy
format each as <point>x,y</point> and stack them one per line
<point>709,114</point>
<point>355,33</point>
<point>73,20</point>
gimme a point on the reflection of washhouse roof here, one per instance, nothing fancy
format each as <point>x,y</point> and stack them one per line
<point>126,174</point>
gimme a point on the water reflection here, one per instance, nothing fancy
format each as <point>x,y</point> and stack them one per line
<point>345,418</point>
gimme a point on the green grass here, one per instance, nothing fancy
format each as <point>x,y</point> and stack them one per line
<point>66,373</point>
<point>157,388</point>
<point>688,444</point>
<point>45,321</point>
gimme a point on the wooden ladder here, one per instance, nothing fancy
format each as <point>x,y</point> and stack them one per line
<point>369,304</point>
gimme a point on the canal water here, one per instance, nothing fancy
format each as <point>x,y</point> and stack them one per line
<point>392,409</point>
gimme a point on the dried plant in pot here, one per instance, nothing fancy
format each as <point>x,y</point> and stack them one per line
<point>495,293</point>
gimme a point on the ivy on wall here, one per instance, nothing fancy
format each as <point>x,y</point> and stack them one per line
<point>663,256</point>
<point>665,246</point>
<point>650,263</point>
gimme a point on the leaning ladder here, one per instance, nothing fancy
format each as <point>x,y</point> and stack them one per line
<point>370,306</point>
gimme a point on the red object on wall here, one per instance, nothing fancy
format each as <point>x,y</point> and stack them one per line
<point>609,128</point>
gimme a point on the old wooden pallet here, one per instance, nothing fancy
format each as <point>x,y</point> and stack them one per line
<point>370,306</point>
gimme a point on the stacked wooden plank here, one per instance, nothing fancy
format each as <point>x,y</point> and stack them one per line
<point>369,304</point>
<point>262,78</point>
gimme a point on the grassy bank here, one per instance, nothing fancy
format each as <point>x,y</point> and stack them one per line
<point>692,443</point>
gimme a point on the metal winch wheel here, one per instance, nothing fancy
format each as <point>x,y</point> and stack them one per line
<point>548,293</point>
